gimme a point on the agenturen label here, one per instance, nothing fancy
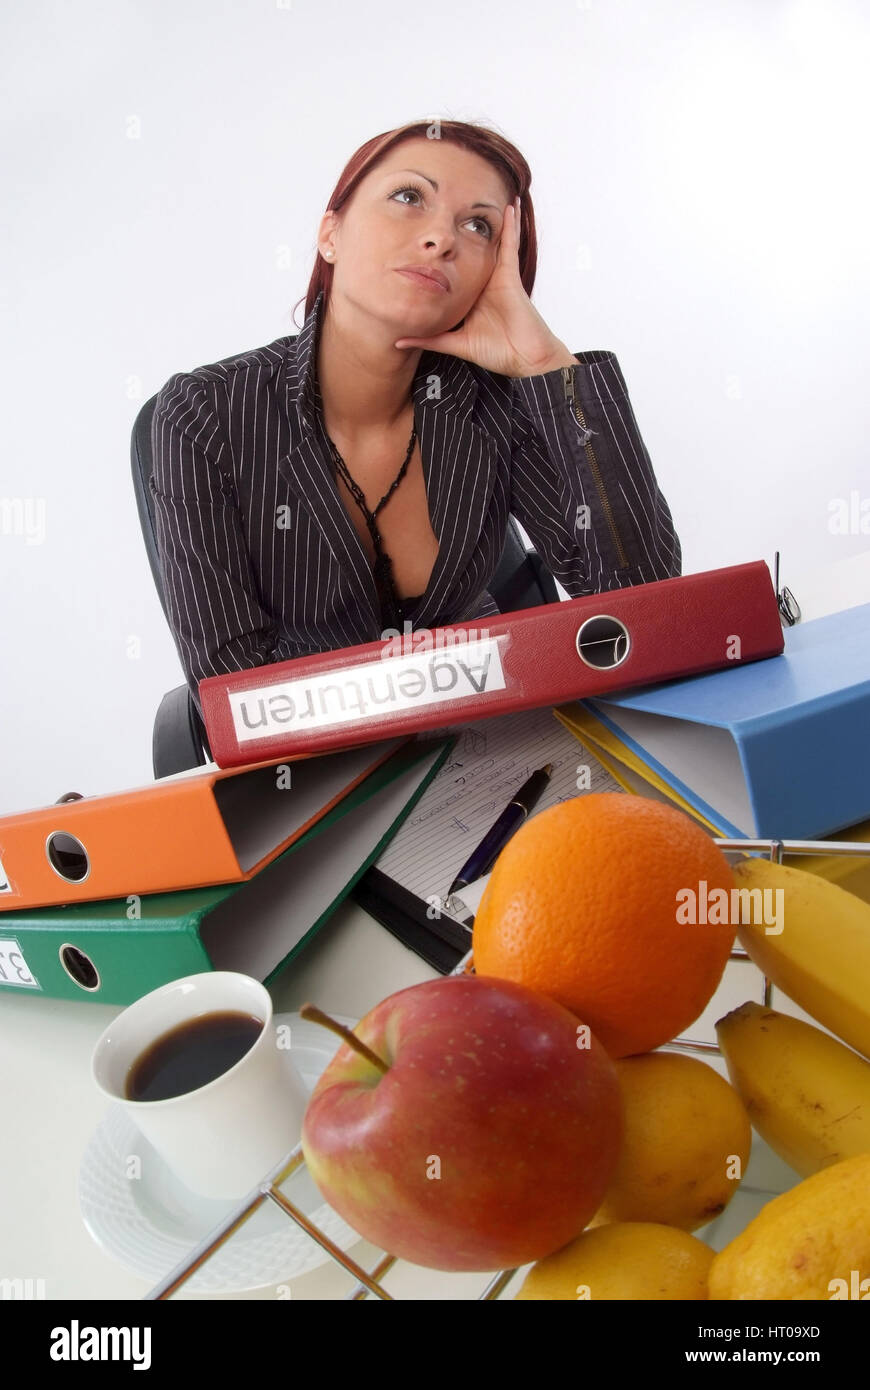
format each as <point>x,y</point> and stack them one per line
<point>370,689</point>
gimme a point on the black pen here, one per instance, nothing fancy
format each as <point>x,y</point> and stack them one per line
<point>494,841</point>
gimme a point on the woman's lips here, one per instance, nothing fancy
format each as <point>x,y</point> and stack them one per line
<point>425,280</point>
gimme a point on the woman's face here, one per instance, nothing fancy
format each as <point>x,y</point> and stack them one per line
<point>396,218</point>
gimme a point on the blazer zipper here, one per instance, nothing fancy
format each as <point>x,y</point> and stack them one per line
<point>568,382</point>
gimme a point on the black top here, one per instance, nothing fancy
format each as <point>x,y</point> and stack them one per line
<point>407,606</point>
<point>262,562</point>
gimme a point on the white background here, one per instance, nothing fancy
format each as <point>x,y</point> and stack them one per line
<point>699,186</point>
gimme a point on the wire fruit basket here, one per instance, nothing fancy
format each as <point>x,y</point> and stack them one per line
<point>368,1281</point>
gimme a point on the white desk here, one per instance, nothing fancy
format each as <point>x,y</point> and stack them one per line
<point>51,1108</point>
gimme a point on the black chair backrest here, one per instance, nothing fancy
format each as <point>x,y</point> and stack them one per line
<point>141,456</point>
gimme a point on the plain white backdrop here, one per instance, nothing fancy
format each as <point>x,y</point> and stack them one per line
<point>700,192</point>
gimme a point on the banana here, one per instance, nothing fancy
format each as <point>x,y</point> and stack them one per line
<point>807,1095</point>
<point>811,938</point>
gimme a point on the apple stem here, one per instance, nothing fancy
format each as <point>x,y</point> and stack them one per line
<point>318,1016</point>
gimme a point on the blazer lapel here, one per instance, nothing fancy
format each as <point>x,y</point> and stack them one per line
<point>459,467</point>
<point>311,479</point>
<point>307,468</point>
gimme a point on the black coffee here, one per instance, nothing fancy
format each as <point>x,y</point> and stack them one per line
<point>191,1055</point>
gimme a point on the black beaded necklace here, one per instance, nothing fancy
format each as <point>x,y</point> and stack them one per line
<point>392,606</point>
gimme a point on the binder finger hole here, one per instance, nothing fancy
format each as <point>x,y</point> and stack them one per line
<point>79,967</point>
<point>67,856</point>
<point>602,642</point>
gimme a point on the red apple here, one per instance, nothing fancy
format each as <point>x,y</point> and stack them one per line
<point>488,1142</point>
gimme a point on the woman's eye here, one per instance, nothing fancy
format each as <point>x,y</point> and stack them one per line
<point>413,188</point>
<point>486,224</point>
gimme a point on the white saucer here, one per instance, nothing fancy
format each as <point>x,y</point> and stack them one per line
<point>152,1223</point>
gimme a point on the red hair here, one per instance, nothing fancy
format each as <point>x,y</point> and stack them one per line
<point>504,157</point>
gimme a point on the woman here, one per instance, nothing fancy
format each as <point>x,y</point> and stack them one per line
<point>321,490</point>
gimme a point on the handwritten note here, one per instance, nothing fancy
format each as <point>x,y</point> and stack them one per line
<point>489,763</point>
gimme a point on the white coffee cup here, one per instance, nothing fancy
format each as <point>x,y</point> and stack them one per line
<point>222,1138</point>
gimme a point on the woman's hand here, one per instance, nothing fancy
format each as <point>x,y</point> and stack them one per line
<point>503,331</point>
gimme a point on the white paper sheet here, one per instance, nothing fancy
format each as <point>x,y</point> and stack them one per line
<point>489,763</point>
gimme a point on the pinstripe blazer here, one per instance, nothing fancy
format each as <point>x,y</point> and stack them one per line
<point>261,560</point>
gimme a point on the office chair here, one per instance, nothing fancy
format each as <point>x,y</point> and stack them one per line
<point>179,740</point>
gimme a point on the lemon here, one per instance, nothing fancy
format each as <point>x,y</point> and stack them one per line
<point>626,1260</point>
<point>812,1242</point>
<point>685,1146</point>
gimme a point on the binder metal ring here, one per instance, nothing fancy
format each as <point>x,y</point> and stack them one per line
<point>602,642</point>
<point>79,967</point>
<point>67,856</point>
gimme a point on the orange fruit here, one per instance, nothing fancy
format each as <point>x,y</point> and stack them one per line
<point>588,904</point>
